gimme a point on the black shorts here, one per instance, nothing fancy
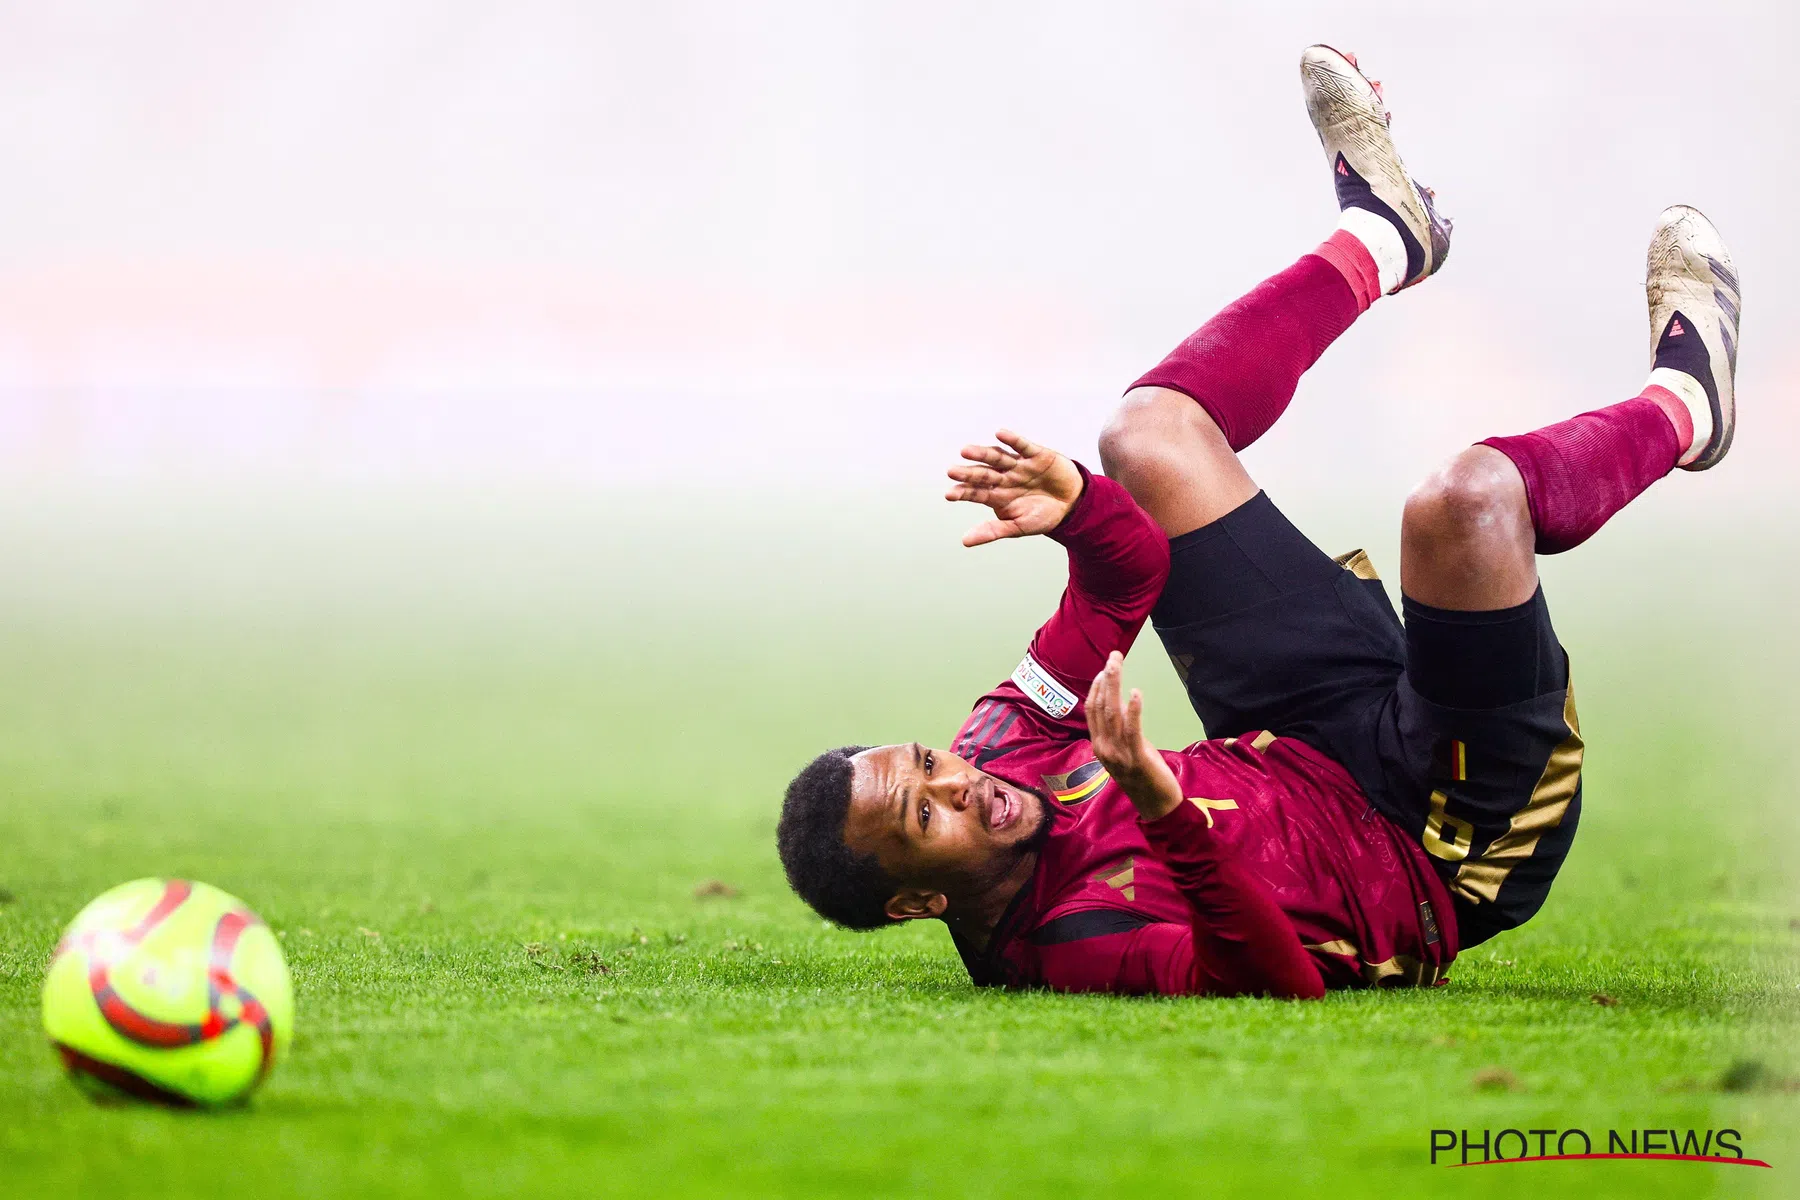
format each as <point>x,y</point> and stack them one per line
<point>1460,727</point>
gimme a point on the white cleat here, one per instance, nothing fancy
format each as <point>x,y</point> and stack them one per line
<point>1351,118</point>
<point>1692,287</point>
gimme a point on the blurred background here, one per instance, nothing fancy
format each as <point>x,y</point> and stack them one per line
<point>678,245</point>
<point>592,368</point>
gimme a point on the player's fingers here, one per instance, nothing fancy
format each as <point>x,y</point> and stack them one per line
<point>980,535</point>
<point>1109,693</point>
<point>982,476</point>
<point>1134,716</point>
<point>994,456</point>
<point>1096,729</point>
<point>1115,696</point>
<point>1021,444</point>
<point>1097,703</point>
<point>974,495</point>
<point>990,531</point>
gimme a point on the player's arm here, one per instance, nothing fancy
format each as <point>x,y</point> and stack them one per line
<point>1118,557</point>
<point>1242,942</point>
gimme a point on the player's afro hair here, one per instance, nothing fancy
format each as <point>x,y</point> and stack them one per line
<point>840,884</point>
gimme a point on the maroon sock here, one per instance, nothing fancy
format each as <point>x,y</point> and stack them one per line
<point>1579,472</point>
<point>1243,365</point>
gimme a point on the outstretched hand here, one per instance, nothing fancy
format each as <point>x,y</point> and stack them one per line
<point>1030,487</point>
<point>1116,729</point>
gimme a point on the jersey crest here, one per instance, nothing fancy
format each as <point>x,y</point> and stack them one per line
<point>1072,787</point>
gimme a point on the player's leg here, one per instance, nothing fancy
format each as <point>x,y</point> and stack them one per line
<point>1173,442</point>
<point>1485,727</point>
<point>1472,531</point>
<point>1266,631</point>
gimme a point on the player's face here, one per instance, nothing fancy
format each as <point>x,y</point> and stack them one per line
<point>934,821</point>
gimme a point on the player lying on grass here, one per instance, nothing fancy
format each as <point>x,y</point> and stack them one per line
<point>1377,796</point>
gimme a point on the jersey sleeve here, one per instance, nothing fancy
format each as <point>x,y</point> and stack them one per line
<point>1239,942</point>
<point>1118,563</point>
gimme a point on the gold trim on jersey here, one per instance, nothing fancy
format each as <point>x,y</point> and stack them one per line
<point>1406,968</point>
<point>1403,967</point>
<point>1211,806</point>
<point>1119,875</point>
<point>1340,946</point>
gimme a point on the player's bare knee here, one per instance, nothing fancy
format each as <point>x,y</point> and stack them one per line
<point>1476,495</point>
<point>1143,431</point>
<point>1130,433</point>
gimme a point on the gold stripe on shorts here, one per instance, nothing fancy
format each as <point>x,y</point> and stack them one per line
<point>1481,878</point>
<point>1357,563</point>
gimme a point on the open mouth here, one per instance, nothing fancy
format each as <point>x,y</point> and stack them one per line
<point>1003,808</point>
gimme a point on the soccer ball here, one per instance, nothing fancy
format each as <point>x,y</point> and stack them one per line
<point>168,991</point>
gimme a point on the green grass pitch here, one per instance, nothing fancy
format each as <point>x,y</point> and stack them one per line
<point>472,761</point>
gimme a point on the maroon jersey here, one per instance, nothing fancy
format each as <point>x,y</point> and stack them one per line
<point>1110,909</point>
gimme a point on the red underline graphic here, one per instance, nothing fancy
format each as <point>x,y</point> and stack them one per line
<point>1709,1158</point>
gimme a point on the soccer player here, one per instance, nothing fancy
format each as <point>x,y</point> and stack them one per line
<point>1376,795</point>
